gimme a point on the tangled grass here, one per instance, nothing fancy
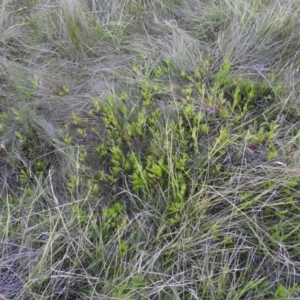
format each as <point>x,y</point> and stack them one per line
<point>149,150</point>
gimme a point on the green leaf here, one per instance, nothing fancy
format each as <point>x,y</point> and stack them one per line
<point>168,62</point>
<point>272,153</point>
<point>282,291</point>
<point>24,175</point>
<point>224,113</point>
<point>188,109</point>
<point>117,155</point>
<point>22,139</point>
<point>204,128</point>
<point>223,135</point>
<point>123,247</point>
<point>226,67</point>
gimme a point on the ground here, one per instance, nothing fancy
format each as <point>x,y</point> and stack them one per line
<point>149,150</point>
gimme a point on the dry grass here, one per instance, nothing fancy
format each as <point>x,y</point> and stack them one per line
<point>188,213</point>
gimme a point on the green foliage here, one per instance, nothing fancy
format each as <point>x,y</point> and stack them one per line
<point>114,220</point>
<point>151,152</point>
<point>143,156</point>
<point>182,183</point>
<point>75,31</point>
<point>24,175</point>
<point>284,293</point>
<point>64,91</point>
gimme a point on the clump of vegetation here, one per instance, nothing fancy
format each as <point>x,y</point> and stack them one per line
<point>139,160</point>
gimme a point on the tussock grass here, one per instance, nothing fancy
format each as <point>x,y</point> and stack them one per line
<point>149,150</point>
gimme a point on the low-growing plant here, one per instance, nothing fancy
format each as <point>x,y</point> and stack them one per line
<point>164,165</point>
<point>149,152</point>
